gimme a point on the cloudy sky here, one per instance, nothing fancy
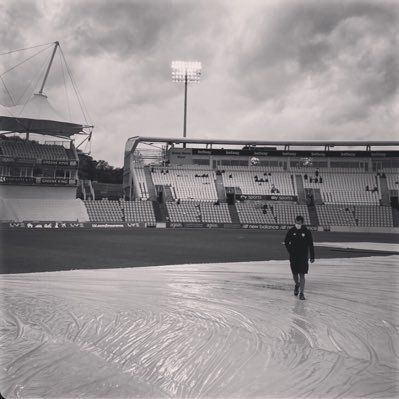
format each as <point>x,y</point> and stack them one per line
<point>286,69</point>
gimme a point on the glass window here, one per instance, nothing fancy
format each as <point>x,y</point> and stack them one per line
<point>60,173</point>
<point>199,161</point>
<point>38,172</point>
<point>48,172</point>
<point>15,171</point>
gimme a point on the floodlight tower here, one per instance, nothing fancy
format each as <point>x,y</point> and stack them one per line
<point>187,72</point>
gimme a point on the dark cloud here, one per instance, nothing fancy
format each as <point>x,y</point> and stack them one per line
<point>119,27</point>
<point>126,28</point>
<point>144,35</point>
<point>350,42</point>
<point>14,17</point>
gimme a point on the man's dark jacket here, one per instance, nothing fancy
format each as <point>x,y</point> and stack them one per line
<point>299,244</point>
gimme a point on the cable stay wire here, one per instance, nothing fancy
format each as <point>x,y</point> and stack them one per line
<point>22,62</point>
<point>26,48</point>
<point>39,75</point>
<point>27,87</point>
<point>8,92</point>
<point>65,85</point>
<point>78,96</point>
<point>41,70</point>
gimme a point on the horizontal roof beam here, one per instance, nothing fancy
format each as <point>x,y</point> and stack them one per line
<point>304,143</point>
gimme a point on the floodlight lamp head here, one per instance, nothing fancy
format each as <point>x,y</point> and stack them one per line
<point>186,71</point>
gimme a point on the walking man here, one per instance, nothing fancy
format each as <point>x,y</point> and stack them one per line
<point>299,244</point>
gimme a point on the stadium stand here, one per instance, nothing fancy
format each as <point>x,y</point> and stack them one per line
<point>271,212</point>
<point>184,212</point>
<point>373,216</point>
<point>140,183</point>
<point>345,188</point>
<point>187,184</point>
<point>104,210</point>
<point>286,212</point>
<point>336,215</point>
<point>254,213</point>
<point>32,150</point>
<point>211,213</point>
<point>392,181</point>
<point>138,211</point>
<point>259,181</point>
<point>335,195</point>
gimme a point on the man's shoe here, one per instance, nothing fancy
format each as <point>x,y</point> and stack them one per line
<point>301,296</point>
<point>296,289</point>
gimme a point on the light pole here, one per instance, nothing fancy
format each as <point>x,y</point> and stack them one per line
<point>187,72</point>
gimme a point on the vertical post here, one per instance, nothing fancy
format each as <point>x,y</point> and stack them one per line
<point>56,44</point>
<point>185,110</point>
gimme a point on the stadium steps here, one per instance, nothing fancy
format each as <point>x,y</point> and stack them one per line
<point>152,194</point>
<point>234,214</point>
<point>160,211</point>
<point>80,190</point>
<point>317,196</point>
<point>220,188</point>
<point>300,189</point>
<point>314,219</point>
<point>385,198</point>
<point>395,217</point>
<point>88,189</point>
<point>167,194</point>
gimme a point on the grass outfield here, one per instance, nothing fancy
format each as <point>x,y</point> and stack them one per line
<point>50,250</point>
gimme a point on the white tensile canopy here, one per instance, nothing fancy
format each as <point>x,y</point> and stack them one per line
<point>37,116</point>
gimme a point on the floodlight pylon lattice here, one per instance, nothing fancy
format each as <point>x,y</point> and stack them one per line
<point>186,72</point>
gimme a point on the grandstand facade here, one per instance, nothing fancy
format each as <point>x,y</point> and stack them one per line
<point>38,181</point>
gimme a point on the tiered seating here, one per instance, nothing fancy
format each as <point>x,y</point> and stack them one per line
<point>392,181</point>
<point>185,185</point>
<point>32,209</point>
<point>257,170</point>
<point>30,149</point>
<point>139,177</point>
<point>104,211</point>
<point>184,212</point>
<point>336,215</point>
<point>138,211</point>
<point>345,188</point>
<point>253,213</point>
<point>211,213</point>
<point>246,180</point>
<point>286,213</point>
<point>373,216</point>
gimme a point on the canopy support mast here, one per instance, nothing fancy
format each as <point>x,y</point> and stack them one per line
<point>56,44</point>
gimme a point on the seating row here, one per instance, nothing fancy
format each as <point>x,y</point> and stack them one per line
<point>30,149</point>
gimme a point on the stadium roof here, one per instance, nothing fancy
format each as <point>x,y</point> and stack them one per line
<point>37,116</point>
<point>285,143</point>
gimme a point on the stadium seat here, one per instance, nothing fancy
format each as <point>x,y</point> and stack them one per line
<point>187,183</point>
<point>336,215</point>
<point>254,214</point>
<point>184,212</point>
<point>211,213</point>
<point>138,211</point>
<point>345,188</point>
<point>245,179</point>
<point>104,211</point>
<point>32,150</point>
